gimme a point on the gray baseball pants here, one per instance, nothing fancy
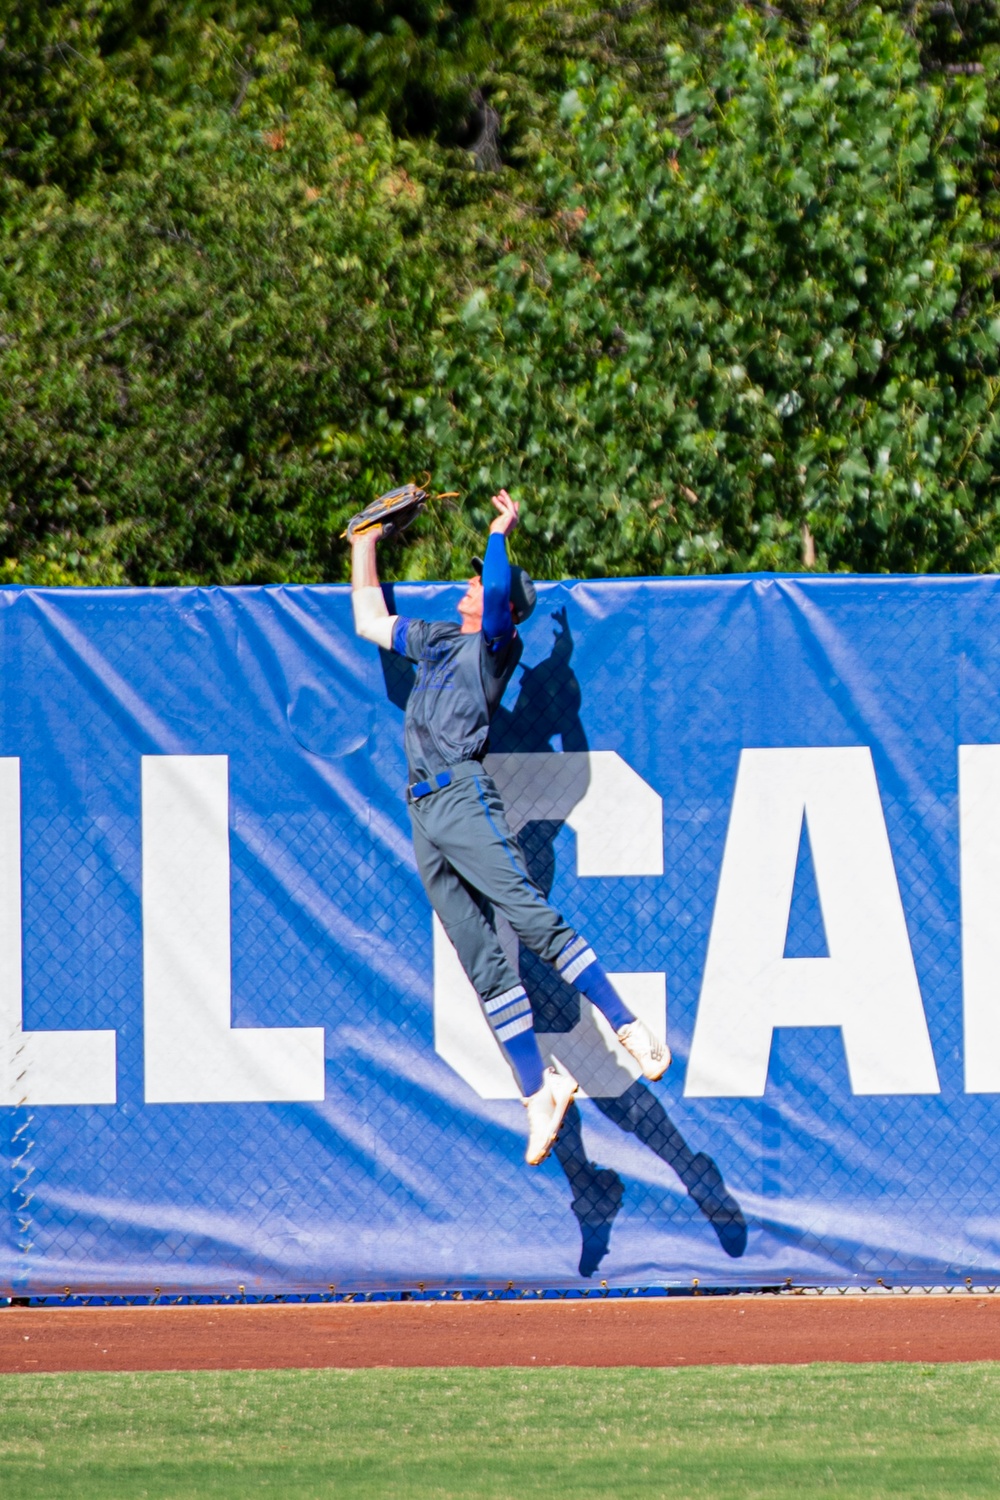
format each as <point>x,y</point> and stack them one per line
<point>470,863</point>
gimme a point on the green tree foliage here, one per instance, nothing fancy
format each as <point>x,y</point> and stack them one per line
<point>211,310</point>
<point>427,64</point>
<point>726,303</point>
<point>427,67</point>
<point>764,333</point>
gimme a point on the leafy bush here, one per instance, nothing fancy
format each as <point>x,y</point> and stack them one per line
<point>205,345</point>
<point>735,315</point>
<point>768,329</point>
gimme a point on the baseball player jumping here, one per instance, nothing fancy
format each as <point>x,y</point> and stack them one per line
<point>469,862</point>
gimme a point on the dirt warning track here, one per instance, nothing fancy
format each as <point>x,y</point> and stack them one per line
<point>668,1332</point>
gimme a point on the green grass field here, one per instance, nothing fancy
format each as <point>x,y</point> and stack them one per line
<point>845,1430</point>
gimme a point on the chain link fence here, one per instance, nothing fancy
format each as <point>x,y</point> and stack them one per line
<point>622,733</point>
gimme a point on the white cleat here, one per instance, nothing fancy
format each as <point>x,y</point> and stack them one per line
<point>546,1111</point>
<point>652,1055</point>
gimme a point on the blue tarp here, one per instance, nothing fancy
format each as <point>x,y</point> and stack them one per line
<point>239,1055</point>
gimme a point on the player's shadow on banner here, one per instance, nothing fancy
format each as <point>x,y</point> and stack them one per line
<point>547,708</point>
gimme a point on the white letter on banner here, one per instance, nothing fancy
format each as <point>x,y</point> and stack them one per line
<point>979,820</point>
<point>193,1053</point>
<point>618,821</point>
<point>40,1067</point>
<point>868,985</point>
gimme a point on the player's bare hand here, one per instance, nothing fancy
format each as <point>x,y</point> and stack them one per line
<point>507,513</point>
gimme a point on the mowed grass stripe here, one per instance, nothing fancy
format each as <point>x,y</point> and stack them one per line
<point>847,1430</point>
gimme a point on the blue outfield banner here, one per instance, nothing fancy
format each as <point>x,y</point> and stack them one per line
<point>239,1053</point>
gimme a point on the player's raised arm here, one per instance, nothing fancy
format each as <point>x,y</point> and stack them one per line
<point>387,515</point>
<point>508,594</point>
<point>498,619</point>
<point>372,620</point>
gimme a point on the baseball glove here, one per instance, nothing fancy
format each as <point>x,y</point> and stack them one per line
<point>393,511</point>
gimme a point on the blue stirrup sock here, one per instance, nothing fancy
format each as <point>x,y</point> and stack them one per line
<point>578,966</point>
<point>510,1016</point>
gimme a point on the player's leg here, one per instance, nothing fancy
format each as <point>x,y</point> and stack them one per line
<point>546,1093</point>
<point>500,991</point>
<point>470,826</point>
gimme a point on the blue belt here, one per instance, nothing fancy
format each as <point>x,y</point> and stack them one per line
<point>424,788</point>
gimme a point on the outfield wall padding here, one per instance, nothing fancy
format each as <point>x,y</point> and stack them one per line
<point>239,1054</point>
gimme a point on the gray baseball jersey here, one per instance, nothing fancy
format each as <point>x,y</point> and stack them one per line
<point>460,682</point>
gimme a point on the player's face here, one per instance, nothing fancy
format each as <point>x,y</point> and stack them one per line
<point>470,606</point>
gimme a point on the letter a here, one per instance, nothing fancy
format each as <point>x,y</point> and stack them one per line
<point>867,986</point>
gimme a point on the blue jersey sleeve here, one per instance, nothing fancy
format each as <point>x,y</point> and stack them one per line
<point>498,622</point>
<point>409,637</point>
